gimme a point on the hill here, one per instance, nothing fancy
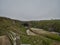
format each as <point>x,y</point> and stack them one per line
<point>49,25</point>
<point>7,24</point>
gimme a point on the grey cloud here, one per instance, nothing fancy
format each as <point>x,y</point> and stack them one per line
<point>30,9</point>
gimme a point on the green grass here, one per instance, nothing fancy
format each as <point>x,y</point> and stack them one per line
<point>35,40</point>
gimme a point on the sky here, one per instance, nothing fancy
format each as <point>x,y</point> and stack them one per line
<point>30,9</point>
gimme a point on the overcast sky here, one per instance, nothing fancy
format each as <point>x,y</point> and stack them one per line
<point>30,9</point>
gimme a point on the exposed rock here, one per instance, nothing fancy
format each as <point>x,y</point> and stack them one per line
<point>29,32</point>
<point>4,40</point>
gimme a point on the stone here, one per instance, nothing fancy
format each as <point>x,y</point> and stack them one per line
<point>4,40</point>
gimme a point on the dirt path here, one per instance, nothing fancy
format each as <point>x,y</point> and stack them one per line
<point>34,31</point>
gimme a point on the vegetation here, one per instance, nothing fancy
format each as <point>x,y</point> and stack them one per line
<point>7,24</point>
<point>49,25</point>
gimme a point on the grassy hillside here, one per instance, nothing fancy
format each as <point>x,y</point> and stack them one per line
<point>49,25</point>
<point>7,24</point>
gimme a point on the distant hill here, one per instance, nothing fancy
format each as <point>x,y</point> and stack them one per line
<point>49,25</point>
